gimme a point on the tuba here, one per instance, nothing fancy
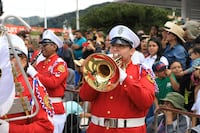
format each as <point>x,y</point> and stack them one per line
<point>101,71</point>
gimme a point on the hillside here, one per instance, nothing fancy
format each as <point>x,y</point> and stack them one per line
<point>54,22</point>
<point>32,21</point>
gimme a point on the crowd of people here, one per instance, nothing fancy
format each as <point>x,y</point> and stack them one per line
<point>159,68</point>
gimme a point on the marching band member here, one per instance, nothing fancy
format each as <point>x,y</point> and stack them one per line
<point>124,108</point>
<point>52,73</point>
<point>42,122</point>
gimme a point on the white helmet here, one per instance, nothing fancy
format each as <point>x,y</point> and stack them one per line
<point>18,44</point>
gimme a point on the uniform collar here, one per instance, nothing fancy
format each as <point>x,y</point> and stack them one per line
<point>52,57</point>
<point>153,57</point>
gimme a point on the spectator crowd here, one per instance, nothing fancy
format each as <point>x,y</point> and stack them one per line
<point>171,52</point>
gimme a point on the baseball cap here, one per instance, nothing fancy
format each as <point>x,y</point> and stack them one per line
<point>159,66</point>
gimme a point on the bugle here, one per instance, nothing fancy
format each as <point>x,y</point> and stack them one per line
<point>5,33</point>
<point>101,72</point>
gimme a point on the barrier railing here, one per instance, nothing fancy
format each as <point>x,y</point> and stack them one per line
<point>74,121</point>
<point>191,115</point>
<point>71,124</point>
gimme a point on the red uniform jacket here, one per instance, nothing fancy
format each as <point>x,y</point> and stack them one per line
<point>53,75</point>
<point>132,99</point>
<point>41,123</point>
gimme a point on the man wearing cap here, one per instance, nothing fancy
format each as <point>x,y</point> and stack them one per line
<point>42,122</point>
<point>52,72</point>
<point>124,108</point>
<point>174,50</point>
<point>173,100</point>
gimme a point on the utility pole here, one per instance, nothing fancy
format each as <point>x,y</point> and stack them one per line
<point>77,16</point>
<point>45,15</point>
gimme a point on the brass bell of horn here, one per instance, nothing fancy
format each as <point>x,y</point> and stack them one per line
<point>101,72</point>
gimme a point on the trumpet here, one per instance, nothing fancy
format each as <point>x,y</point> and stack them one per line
<point>101,72</point>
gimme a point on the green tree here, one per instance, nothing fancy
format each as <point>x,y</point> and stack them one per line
<point>134,16</point>
<point>105,16</point>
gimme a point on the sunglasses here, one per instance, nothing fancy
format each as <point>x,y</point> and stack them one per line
<point>17,51</point>
<point>46,41</point>
<point>120,40</point>
<point>12,56</point>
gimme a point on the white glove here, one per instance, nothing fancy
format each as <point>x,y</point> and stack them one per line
<point>4,126</point>
<point>31,71</point>
<point>122,76</point>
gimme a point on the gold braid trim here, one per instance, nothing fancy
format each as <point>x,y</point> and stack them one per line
<point>19,89</point>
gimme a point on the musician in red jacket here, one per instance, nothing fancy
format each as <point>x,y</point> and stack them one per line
<point>122,109</point>
<point>42,122</point>
<point>52,72</point>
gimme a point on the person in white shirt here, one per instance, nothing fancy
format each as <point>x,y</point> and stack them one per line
<point>155,54</point>
<point>155,51</point>
<point>137,57</point>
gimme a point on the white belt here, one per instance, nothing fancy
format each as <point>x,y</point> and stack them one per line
<point>55,99</point>
<point>118,123</point>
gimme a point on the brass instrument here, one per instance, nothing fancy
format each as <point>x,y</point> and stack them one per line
<point>5,33</point>
<point>101,71</point>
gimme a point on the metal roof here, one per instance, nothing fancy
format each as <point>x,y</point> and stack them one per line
<point>189,8</point>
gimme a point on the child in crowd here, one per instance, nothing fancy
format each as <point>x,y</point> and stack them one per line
<point>186,87</point>
<point>194,54</point>
<point>176,68</point>
<point>165,80</point>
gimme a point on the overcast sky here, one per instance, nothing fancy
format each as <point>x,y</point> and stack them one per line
<point>27,8</point>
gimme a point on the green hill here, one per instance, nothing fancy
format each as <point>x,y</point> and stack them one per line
<point>54,22</point>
